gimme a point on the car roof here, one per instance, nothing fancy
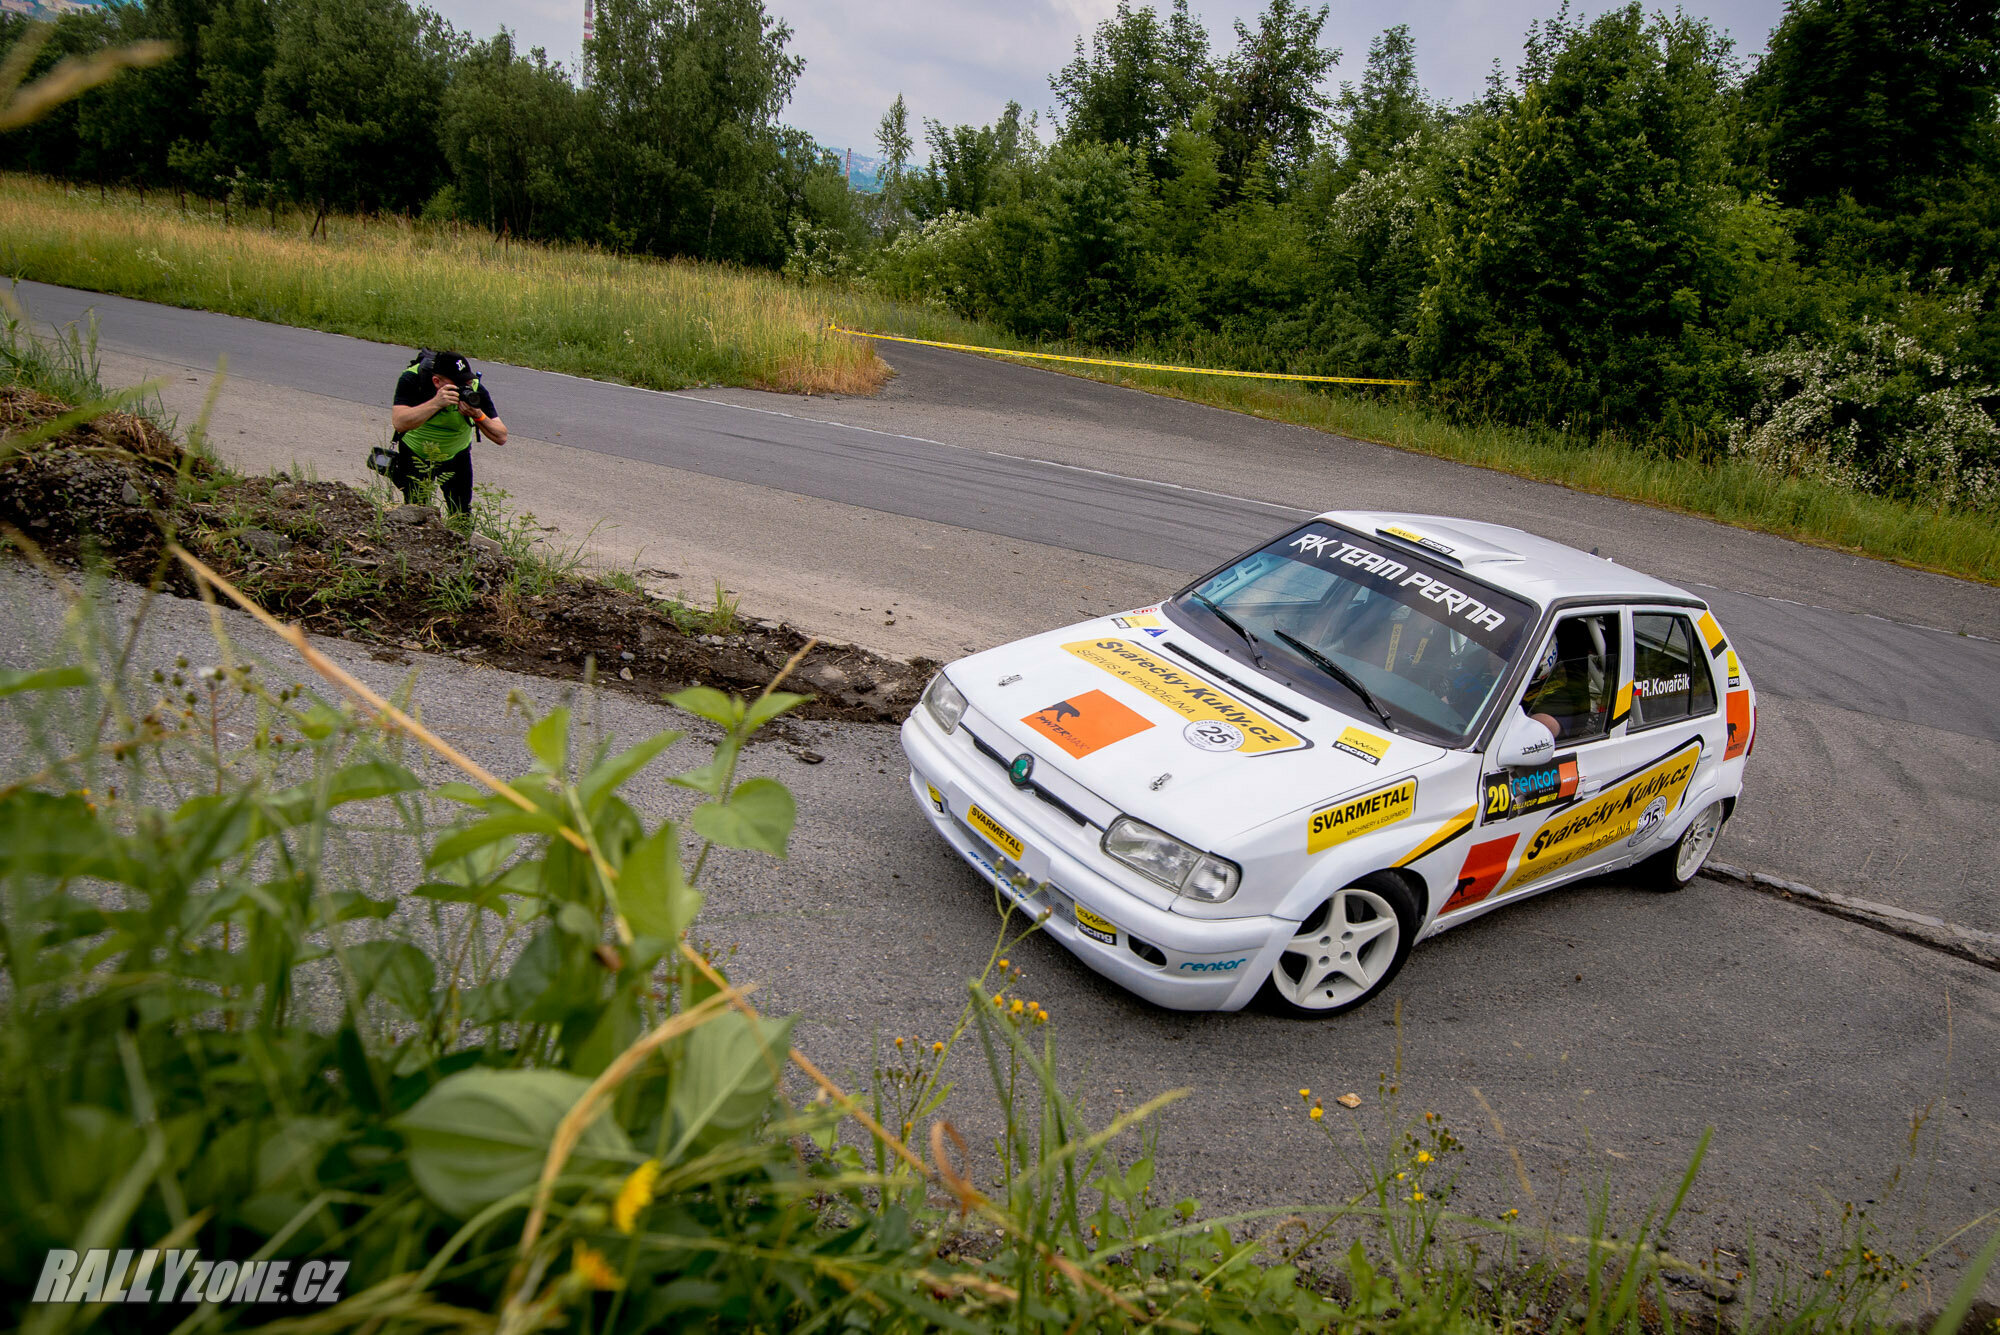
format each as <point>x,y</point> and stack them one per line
<point>1509,558</point>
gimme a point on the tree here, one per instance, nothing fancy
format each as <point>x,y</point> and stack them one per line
<point>1873,98</point>
<point>1577,263</point>
<point>1388,109</point>
<point>513,129</point>
<point>892,140</point>
<point>967,163</point>
<point>1269,104</point>
<point>1141,79</point>
<point>229,157</point>
<point>691,90</point>
<point>350,104</point>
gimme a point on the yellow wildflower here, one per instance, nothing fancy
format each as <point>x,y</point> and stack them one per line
<point>899,1040</point>
<point>1401,1176</point>
<point>1416,1195</point>
<point>1305,1093</point>
<point>1317,1113</point>
<point>937,1047</point>
<point>999,1000</point>
<point>1423,1156</point>
<point>1003,963</point>
<point>1018,1006</point>
<point>635,1195</point>
<point>589,1265</point>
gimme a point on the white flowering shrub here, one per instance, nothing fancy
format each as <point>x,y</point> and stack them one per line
<point>933,262</point>
<point>817,253</point>
<point>1878,413</point>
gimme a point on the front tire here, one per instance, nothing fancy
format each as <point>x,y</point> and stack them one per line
<point>1347,950</point>
<point>1673,868</point>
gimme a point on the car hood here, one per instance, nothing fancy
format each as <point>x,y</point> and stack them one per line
<point>1115,705</point>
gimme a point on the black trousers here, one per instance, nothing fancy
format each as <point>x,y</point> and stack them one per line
<point>452,477</point>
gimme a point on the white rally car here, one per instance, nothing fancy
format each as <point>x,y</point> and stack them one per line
<point>1367,731</point>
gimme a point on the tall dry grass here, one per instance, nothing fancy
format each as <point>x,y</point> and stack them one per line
<point>664,325</point>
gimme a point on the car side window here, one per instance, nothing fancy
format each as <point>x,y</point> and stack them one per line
<point>1670,680</point>
<point>1572,685</point>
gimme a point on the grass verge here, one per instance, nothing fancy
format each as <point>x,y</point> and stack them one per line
<point>661,325</point>
<point>669,325</point>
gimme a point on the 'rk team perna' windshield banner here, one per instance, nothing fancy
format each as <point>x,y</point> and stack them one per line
<point>1493,620</point>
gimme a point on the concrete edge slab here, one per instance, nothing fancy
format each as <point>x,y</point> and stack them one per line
<point>1967,943</point>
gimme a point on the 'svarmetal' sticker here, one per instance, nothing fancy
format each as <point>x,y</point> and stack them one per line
<point>999,835</point>
<point>1359,815</point>
<point>1094,927</point>
<point>1086,723</point>
<point>1186,694</point>
<point>1363,745</point>
<point>1583,829</point>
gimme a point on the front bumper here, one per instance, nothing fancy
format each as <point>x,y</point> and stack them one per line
<point>1202,964</point>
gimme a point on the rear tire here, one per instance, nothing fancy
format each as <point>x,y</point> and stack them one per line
<point>1346,951</point>
<point>1673,868</point>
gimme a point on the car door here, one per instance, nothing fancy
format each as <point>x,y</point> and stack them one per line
<point>1664,726</point>
<point>1575,688</point>
<point>1675,730</point>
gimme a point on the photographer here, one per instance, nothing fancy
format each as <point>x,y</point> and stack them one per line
<point>439,407</point>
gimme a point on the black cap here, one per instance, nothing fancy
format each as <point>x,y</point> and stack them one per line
<point>453,367</point>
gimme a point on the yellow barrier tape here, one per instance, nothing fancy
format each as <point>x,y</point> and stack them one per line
<point>1135,366</point>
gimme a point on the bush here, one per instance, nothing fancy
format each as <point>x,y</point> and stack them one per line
<point>1876,412</point>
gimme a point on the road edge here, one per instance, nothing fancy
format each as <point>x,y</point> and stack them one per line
<point>1967,943</point>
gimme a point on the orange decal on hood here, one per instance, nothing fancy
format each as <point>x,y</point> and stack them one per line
<point>1086,723</point>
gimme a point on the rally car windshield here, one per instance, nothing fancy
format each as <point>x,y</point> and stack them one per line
<point>1368,627</point>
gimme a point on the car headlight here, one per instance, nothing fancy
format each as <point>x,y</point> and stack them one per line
<point>944,703</point>
<point>1157,854</point>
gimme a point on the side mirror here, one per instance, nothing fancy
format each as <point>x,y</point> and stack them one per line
<point>1524,742</point>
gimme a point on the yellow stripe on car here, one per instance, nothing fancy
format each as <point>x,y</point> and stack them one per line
<point>1447,832</point>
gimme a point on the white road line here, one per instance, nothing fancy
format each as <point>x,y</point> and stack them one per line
<point>997,454</point>
<point>1815,607</point>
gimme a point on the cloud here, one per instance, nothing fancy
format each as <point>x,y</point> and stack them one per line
<point>963,60</point>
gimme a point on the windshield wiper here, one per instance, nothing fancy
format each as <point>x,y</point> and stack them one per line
<point>1341,675</point>
<point>1233,624</point>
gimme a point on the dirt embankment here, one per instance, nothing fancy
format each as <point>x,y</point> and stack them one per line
<point>399,577</point>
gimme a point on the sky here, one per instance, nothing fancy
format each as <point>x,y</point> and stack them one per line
<point>960,61</point>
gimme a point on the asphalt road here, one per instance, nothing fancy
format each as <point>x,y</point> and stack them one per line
<point>975,500</point>
<point>1603,1026</point>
